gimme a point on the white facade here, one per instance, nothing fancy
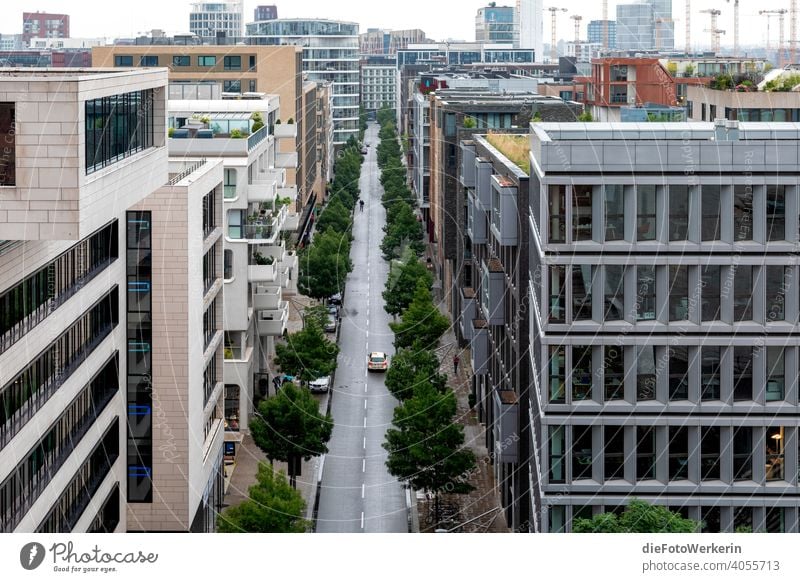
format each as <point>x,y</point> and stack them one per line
<point>583,52</point>
<point>380,86</point>
<point>530,23</point>
<point>66,43</point>
<point>209,18</point>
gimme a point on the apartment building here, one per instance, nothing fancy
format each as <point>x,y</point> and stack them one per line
<point>211,19</point>
<point>379,42</point>
<point>380,85</point>
<point>706,104</point>
<point>663,322</point>
<point>495,24</point>
<point>44,25</point>
<point>596,31</point>
<point>257,267</point>
<point>240,69</point>
<point>65,356</point>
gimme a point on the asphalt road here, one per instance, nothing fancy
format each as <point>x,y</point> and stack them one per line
<point>357,493</point>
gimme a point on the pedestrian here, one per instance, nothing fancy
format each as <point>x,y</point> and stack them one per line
<point>456,361</point>
<point>361,205</point>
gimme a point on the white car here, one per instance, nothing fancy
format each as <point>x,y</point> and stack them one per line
<point>320,384</point>
<point>377,362</point>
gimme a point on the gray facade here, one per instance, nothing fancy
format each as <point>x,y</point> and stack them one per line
<point>635,27</point>
<point>594,32</point>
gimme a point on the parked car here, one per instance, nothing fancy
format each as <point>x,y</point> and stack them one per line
<point>364,151</point>
<point>335,299</point>
<point>377,362</point>
<point>320,384</point>
<point>330,325</point>
<point>335,311</point>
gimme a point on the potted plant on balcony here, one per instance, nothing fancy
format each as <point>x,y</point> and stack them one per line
<point>258,121</point>
<point>262,260</point>
<point>236,133</point>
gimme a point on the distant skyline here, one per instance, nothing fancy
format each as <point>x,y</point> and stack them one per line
<point>441,20</point>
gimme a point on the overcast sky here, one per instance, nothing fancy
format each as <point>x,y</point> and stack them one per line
<point>440,19</point>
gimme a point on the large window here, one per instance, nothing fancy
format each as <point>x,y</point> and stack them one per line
<point>582,373</point>
<point>615,293</point>
<point>232,401</point>
<point>148,61</point>
<point>233,63</point>
<point>645,453</point>
<point>645,293</point>
<point>209,213</point>
<point>557,374</point>
<point>581,213</point>
<point>558,294</point>
<point>615,213</point>
<point>776,462</point>
<point>614,368</point>
<point>778,278</point>
<point>742,373</point>
<point>678,453</point>
<point>557,201</point>
<point>8,131</point>
<point>678,373</point>
<point>678,293</point>
<point>678,213</point>
<point>646,220</point>
<point>776,213</point>
<point>582,278</point>
<point>743,212</point>
<point>709,375</point>
<point>558,451</point>
<point>710,453</point>
<point>742,453</point>
<point>743,293</point>
<point>776,374</point>
<point>230,183</point>
<point>710,226</point>
<point>645,373</point>
<point>206,61</point>
<point>710,292</point>
<point>123,60</point>
<point>181,61</point>
<point>582,452</point>
<point>614,452</point>
<point>118,127</point>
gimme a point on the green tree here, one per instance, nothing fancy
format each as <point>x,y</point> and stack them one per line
<point>386,115</point>
<point>400,290</point>
<point>289,428</point>
<point>307,354</point>
<point>422,322</point>
<point>586,116</point>
<point>272,507</point>
<point>324,265</point>
<point>402,229</point>
<point>412,367</point>
<point>335,216</point>
<point>426,449</point>
<point>638,517</point>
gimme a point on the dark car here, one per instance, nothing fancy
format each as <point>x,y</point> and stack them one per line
<point>335,299</point>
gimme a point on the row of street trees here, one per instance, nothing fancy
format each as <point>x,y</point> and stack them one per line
<point>289,427</point>
<point>426,445</point>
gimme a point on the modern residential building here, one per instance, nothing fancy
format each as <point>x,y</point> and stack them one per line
<point>663,322</point>
<point>463,53</point>
<point>495,24</point>
<point>376,41</point>
<point>65,43</point>
<point>11,42</point>
<point>269,12</point>
<point>257,267</point>
<point>596,29</point>
<point>635,29</point>
<point>44,25</point>
<point>69,351</point>
<point>583,52</point>
<point>663,25</point>
<point>380,85</point>
<point>706,104</point>
<point>214,19</point>
<point>330,54</point>
<point>174,241</point>
<point>529,26</point>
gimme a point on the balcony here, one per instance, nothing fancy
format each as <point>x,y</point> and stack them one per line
<point>262,190</point>
<point>209,144</point>
<point>286,160</point>
<point>493,301</point>
<point>285,131</point>
<point>273,322</point>
<point>468,312</point>
<point>262,273</point>
<point>505,429</point>
<point>289,192</point>
<point>292,221</point>
<point>276,252</point>
<point>504,211</point>
<point>267,298</point>
<point>467,168</point>
<point>265,230</point>
<point>479,348</point>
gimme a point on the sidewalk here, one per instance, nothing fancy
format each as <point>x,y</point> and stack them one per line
<point>479,511</point>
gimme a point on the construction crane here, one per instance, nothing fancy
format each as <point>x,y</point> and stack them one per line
<point>553,48</point>
<point>605,25</point>
<point>781,12</point>
<point>735,27</point>
<point>577,18</point>
<point>688,27</point>
<point>792,31</point>
<point>769,18</point>
<point>714,30</point>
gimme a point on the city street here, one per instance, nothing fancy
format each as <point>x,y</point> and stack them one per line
<point>357,493</point>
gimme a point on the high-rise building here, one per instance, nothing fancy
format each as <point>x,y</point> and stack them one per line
<point>663,25</point>
<point>44,25</point>
<point>495,24</point>
<point>596,29</point>
<point>530,26</point>
<point>635,29</point>
<point>269,12</point>
<point>380,84</point>
<point>330,54</point>
<point>377,42</point>
<point>212,19</point>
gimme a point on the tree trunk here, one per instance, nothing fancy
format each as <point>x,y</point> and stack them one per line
<point>436,509</point>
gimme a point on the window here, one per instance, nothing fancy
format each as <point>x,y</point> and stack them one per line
<point>742,213</point>
<point>210,327</point>
<point>252,62</point>
<point>209,213</point>
<point>118,127</point>
<point>582,278</point>
<point>645,453</point>
<point>709,373</point>
<point>678,453</point>
<point>743,293</point>
<point>123,61</point>
<point>742,373</point>
<point>232,407</point>
<point>582,452</point>
<point>712,213</point>
<point>615,293</point>
<point>557,454</point>
<point>209,269</point>
<point>253,87</point>
<point>615,213</point>
<point>232,86</point>
<point>776,520</point>
<point>774,445</point>
<point>646,219</point>
<point>181,61</point>
<point>710,292</point>
<point>645,373</point>
<point>230,183</point>
<point>232,63</point>
<point>210,379</point>
<point>776,374</point>
<point>206,61</point>
<point>558,294</point>
<point>235,224</point>
<point>558,219</point>
<point>711,516</point>
<point>778,279</point>
<point>710,453</point>
<point>776,213</point>
<point>678,293</point>
<point>228,265</point>
<point>614,452</point>
<point>678,373</point>
<point>148,61</point>
<point>8,130</point>
<point>582,373</point>
<point>557,370</point>
<point>581,213</point>
<point>678,213</point>
<point>614,367</point>
<point>645,293</point>
<point>742,453</point>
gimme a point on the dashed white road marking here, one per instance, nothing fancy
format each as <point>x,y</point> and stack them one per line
<point>362,520</point>
<point>363,465</point>
<point>363,490</point>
